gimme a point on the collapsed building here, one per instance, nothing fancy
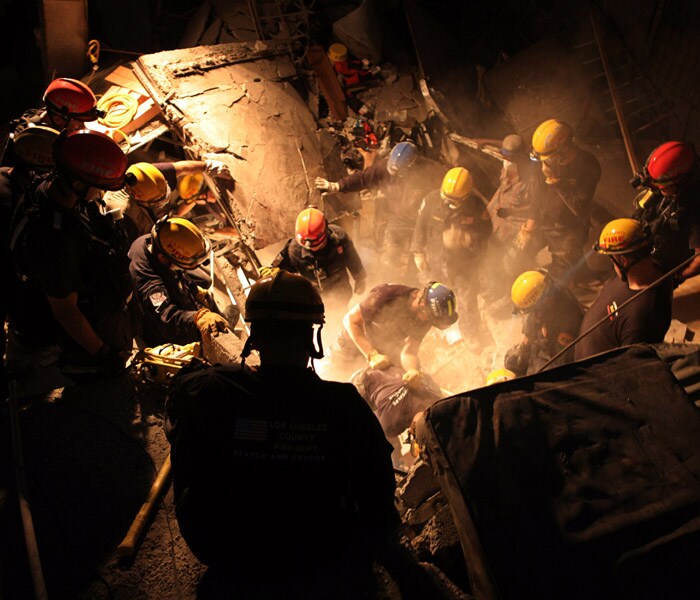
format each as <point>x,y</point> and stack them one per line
<point>249,88</point>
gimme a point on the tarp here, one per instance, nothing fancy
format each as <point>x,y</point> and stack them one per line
<point>579,482</point>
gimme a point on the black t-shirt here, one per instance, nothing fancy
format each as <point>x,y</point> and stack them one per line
<point>66,250</point>
<point>274,471</point>
<point>389,320</point>
<point>645,320</point>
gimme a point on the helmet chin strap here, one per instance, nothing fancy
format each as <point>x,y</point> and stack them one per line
<point>315,350</point>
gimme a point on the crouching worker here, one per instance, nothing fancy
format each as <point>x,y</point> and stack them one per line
<point>170,289</point>
<point>312,468</point>
<point>552,320</point>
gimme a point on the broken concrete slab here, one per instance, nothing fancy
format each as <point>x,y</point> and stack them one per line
<point>237,101</point>
<point>418,486</point>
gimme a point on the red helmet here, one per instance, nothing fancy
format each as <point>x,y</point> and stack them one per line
<point>670,163</point>
<point>71,99</point>
<point>311,229</point>
<point>91,157</point>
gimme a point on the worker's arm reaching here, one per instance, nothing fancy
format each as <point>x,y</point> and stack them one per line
<point>354,324</point>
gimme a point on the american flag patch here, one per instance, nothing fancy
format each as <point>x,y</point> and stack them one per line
<point>250,430</point>
<point>157,299</point>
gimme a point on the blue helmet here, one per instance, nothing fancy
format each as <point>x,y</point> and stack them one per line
<point>402,158</point>
<point>440,304</point>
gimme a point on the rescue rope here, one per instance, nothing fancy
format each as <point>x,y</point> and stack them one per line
<point>120,108</point>
<point>595,326</point>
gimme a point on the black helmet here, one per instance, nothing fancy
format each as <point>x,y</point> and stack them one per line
<point>284,297</point>
<point>441,304</point>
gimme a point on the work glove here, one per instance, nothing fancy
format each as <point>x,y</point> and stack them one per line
<point>327,186</point>
<point>517,359</point>
<point>421,262</point>
<point>412,379</point>
<point>378,361</point>
<point>215,168</point>
<point>209,323</point>
<point>360,285</point>
<point>268,271</point>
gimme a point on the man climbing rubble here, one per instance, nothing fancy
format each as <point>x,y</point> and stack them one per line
<point>324,254</point>
<point>448,244</point>
<point>76,287</point>
<point>387,327</point>
<point>313,476</point>
<point>669,206</point>
<point>175,307</point>
<point>147,195</point>
<point>403,179</point>
<point>645,320</point>
<point>561,214</point>
<point>552,320</point>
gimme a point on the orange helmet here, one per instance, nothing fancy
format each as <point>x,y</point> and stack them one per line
<point>71,99</point>
<point>311,229</point>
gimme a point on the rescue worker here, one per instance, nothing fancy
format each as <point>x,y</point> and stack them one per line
<point>312,468</point>
<point>669,206</point>
<point>552,320</point>
<point>403,179</point>
<point>147,195</point>
<point>324,254</point>
<point>448,244</point>
<point>175,308</point>
<point>33,156</point>
<point>645,320</point>
<point>561,213</point>
<point>387,327</point>
<point>511,246</point>
<point>75,283</point>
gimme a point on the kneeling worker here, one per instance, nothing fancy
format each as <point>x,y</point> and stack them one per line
<point>552,320</point>
<point>277,428</point>
<point>173,307</point>
<point>389,324</point>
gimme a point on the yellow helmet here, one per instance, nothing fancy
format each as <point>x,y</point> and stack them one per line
<point>622,236</point>
<point>528,289</point>
<point>498,376</point>
<point>188,186</point>
<point>180,242</point>
<point>457,184</point>
<point>550,138</point>
<point>145,183</point>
